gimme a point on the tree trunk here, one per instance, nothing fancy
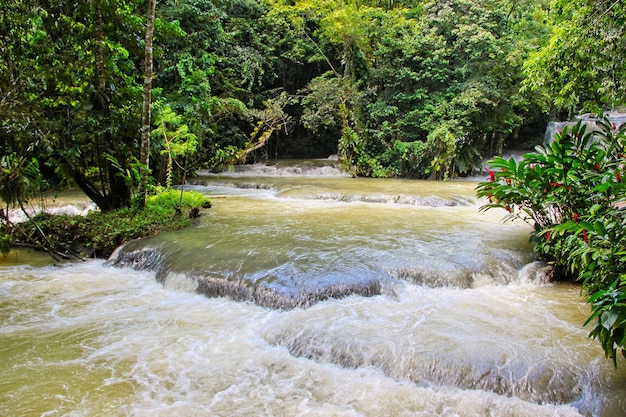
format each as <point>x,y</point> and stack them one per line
<point>99,58</point>
<point>144,157</point>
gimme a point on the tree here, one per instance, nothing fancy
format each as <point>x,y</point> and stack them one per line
<point>144,157</point>
<point>21,33</point>
<point>453,66</point>
<point>177,140</point>
<point>74,79</point>
<point>581,68</point>
<point>409,88</point>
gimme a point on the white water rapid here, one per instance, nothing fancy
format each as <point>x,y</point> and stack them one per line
<point>461,321</point>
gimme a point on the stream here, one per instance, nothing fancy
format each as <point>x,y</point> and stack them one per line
<point>305,292</point>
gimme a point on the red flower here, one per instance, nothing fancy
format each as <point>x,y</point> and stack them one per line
<point>492,176</point>
<point>618,177</point>
<point>576,217</point>
<point>585,236</point>
<point>597,167</point>
<point>548,235</point>
<point>508,181</point>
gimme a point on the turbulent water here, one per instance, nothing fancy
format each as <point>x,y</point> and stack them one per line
<point>327,296</point>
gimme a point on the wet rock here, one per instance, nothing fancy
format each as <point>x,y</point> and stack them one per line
<point>151,259</point>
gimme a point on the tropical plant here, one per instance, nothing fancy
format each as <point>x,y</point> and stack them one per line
<point>572,192</point>
<point>176,140</point>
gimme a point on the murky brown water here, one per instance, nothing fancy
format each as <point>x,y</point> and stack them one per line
<point>463,324</point>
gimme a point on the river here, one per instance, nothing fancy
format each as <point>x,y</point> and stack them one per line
<point>306,293</point>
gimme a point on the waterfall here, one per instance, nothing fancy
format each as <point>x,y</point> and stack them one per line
<point>553,127</point>
<point>237,289</point>
<point>330,167</point>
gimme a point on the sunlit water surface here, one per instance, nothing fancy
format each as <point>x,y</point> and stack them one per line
<point>464,323</point>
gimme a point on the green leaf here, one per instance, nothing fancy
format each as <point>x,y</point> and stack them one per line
<point>608,318</point>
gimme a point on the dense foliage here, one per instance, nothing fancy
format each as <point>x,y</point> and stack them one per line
<point>572,192</point>
<point>413,88</point>
<point>581,67</point>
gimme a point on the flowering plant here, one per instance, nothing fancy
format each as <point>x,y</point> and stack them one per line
<point>571,192</point>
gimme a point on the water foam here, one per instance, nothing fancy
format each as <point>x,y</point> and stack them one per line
<point>439,337</point>
<point>287,168</point>
<point>124,346</point>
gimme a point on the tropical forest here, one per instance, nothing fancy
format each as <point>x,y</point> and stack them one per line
<point>411,89</point>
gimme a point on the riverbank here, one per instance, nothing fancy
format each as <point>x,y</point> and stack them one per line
<point>96,235</point>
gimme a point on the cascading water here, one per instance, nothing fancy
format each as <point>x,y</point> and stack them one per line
<point>328,296</point>
<point>616,118</point>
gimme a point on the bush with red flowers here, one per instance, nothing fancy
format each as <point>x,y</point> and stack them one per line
<point>571,192</point>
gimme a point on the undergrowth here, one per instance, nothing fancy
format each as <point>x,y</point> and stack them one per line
<point>99,234</point>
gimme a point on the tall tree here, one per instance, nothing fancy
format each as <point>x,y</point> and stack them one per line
<point>147,88</point>
<point>72,99</point>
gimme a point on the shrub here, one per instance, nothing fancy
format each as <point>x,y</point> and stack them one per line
<point>175,199</point>
<point>572,192</point>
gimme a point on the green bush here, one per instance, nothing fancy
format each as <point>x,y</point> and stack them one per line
<point>173,199</point>
<point>572,192</point>
<point>442,145</point>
